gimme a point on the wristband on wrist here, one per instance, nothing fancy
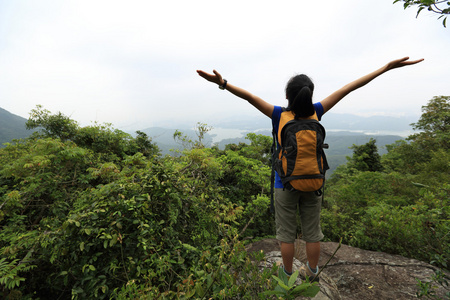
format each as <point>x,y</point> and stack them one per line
<point>224,85</point>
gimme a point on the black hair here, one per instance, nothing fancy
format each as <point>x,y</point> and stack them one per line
<point>299,91</point>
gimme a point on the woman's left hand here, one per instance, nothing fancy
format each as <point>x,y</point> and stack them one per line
<point>216,77</point>
<point>398,63</point>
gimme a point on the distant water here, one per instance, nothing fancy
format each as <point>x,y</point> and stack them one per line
<point>219,134</point>
<point>402,133</point>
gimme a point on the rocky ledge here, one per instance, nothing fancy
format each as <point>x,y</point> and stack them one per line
<point>354,274</point>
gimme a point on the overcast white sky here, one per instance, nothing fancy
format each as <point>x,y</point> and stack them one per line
<point>133,63</point>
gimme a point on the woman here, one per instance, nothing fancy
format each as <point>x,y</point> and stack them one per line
<point>299,91</point>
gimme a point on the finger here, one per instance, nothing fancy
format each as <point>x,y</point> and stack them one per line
<point>217,74</point>
<point>401,60</point>
<point>417,61</point>
<point>412,62</point>
<point>204,74</point>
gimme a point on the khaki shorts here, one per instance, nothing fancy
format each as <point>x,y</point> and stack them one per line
<point>309,205</point>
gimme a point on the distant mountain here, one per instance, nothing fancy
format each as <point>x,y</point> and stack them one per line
<point>350,129</point>
<point>345,122</point>
<point>163,137</point>
<point>339,144</point>
<point>12,127</point>
<point>343,130</point>
<point>339,141</point>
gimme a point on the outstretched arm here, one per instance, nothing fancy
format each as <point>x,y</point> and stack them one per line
<point>263,106</point>
<point>334,98</point>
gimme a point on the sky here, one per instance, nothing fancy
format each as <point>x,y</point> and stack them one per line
<point>133,63</point>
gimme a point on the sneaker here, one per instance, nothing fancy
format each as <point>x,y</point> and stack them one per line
<point>305,271</point>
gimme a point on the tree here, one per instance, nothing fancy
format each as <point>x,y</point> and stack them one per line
<point>434,124</point>
<point>427,150</point>
<point>441,7</point>
<point>100,138</point>
<point>55,126</point>
<point>366,157</point>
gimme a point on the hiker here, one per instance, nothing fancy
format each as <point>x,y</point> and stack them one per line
<point>299,91</point>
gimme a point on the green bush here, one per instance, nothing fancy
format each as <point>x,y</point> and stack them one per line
<point>99,214</point>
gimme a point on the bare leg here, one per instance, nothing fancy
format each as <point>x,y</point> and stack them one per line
<point>287,253</point>
<point>312,254</point>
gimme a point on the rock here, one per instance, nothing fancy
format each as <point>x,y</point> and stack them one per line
<point>358,274</point>
<point>270,247</point>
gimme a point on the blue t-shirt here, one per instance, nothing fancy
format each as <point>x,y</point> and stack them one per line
<point>276,115</point>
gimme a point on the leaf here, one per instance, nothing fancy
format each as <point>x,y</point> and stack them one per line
<point>92,268</point>
<point>418,12</point>
<point>301,287</point>
<point>81,246</point>
<point>77,291</point>
<point>199,290</point>
<point>419,184</point>
<point>189,247</point>
<point>282,275</point>
<point>292,279</point>
<point>268,293</point>
<point>311,291</point>
<point>280,282</point>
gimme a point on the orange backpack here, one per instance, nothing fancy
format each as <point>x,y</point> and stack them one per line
<point>300,161</point>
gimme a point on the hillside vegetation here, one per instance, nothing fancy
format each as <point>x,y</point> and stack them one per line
<point>92,212</point>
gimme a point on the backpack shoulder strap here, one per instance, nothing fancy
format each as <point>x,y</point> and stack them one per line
<point>287,116</point>
<point>273,151</point>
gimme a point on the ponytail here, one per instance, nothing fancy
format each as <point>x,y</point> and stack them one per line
<point>302,105</point>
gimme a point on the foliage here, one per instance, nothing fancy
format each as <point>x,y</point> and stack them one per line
<point>387,212</point>
<point>57,126</point>
<point>440,7</point>
<point>427,150</point>
<point>287,288</point>
<point>100,214</point>
<point>365,157</point>
<point>434,124</point>
<point>403,208</point>
<point>439,278</point>
<point>101,139</point>
<point>201,130</point>
<point>92,212</point>
<point>9,272</point>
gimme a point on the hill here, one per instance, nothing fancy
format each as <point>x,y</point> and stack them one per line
<point>339,141</point>
<point>12,127</point>
<point>343,131</point>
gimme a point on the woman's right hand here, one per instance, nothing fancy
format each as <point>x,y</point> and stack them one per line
<point>216,77</point>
